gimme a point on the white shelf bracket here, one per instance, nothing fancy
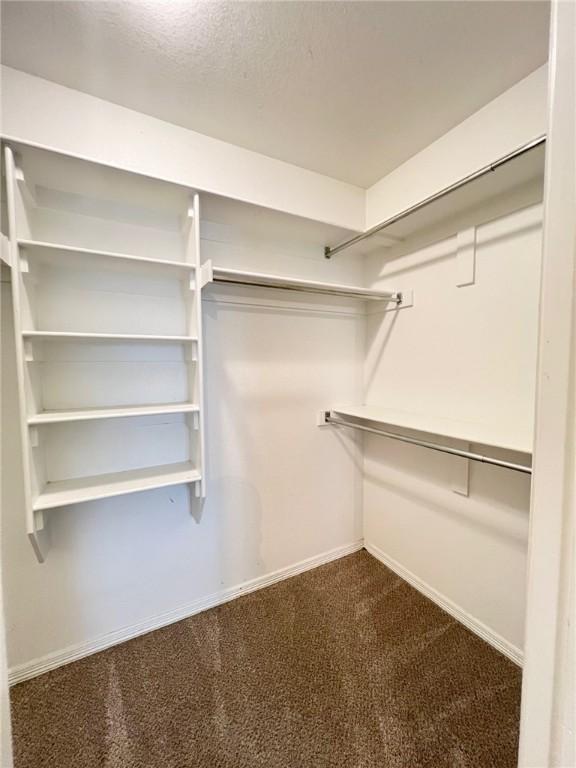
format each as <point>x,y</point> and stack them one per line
<point>24,264</point>
<point>5,250</point>
<point>25,191</point>
<point>39,539</point>
<point>34,437</point>
<point>206,273</point>
<point>466,257</point>
<point>190,352</point>
<point>28,351</point>
<point>39,519</point>
<point>187,220</point>
<point>461,471</point>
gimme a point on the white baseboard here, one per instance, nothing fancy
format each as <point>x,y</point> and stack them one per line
<point>74,652</point>
<point>480,629</point>
<point>57,659</point>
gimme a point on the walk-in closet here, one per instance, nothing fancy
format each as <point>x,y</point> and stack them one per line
<point>288,403</point>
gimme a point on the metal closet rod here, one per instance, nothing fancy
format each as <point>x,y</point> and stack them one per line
<point>329,252</point>
<point>231,277</point>
<point>433,446</point>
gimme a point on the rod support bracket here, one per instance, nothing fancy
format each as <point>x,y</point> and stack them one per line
<point>401,300</point>
<point>206,273</point>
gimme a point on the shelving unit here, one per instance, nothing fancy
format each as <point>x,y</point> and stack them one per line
<point>106,282</point>
<point>106,337</point>
<point>67,492</point>
<point>454,429</point>
<point>92,414</point>
<point>46,253</point>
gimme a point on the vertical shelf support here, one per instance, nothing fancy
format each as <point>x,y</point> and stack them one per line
<point>200,487</point>
<point>34,526</point>
<point>20,255</point>
<point>196,388</point>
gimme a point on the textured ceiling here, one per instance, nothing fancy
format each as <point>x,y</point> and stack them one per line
<point>349,89</point>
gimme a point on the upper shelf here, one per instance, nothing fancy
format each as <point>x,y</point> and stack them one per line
<point>161,203</point>
<point>509,183</point>
<point>115,412</point>
<point>87,257</point>
<point>261,280</point>
<point>105,337</point>
<point>457,429</point>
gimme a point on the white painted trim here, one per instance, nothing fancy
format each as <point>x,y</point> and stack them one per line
<point>548,717</point>
<point>75,652</point>
<point>469,621</point>
<point>57,659</point>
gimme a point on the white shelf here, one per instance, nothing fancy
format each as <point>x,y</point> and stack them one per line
<point>74,336</point>
<point>81,234</point>
<point>64,492</point>
<point>72,175</point>
<point>457,429</point>
<point>49,252</point>
<point>265,280</point>
<point>93,414</point>
<point>511,186</point>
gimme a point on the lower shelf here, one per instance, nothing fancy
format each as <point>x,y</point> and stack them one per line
<point>496,435</point>
<point>64,492</point>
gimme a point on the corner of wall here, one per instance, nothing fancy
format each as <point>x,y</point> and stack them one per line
<point>509,121</point>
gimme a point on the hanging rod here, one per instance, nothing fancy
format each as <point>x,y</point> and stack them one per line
<point>329,419</point>
<point>329,252</point>
<point>261,280</point>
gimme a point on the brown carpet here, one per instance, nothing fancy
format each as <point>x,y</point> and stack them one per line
<point>342,666</point>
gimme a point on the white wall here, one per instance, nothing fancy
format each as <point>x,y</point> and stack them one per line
<point>465,353</point>
<point>280,490</point>
<point>44,113</point>
<point>509,121</point>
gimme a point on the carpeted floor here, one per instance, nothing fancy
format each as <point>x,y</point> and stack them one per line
<point>342,666</point>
